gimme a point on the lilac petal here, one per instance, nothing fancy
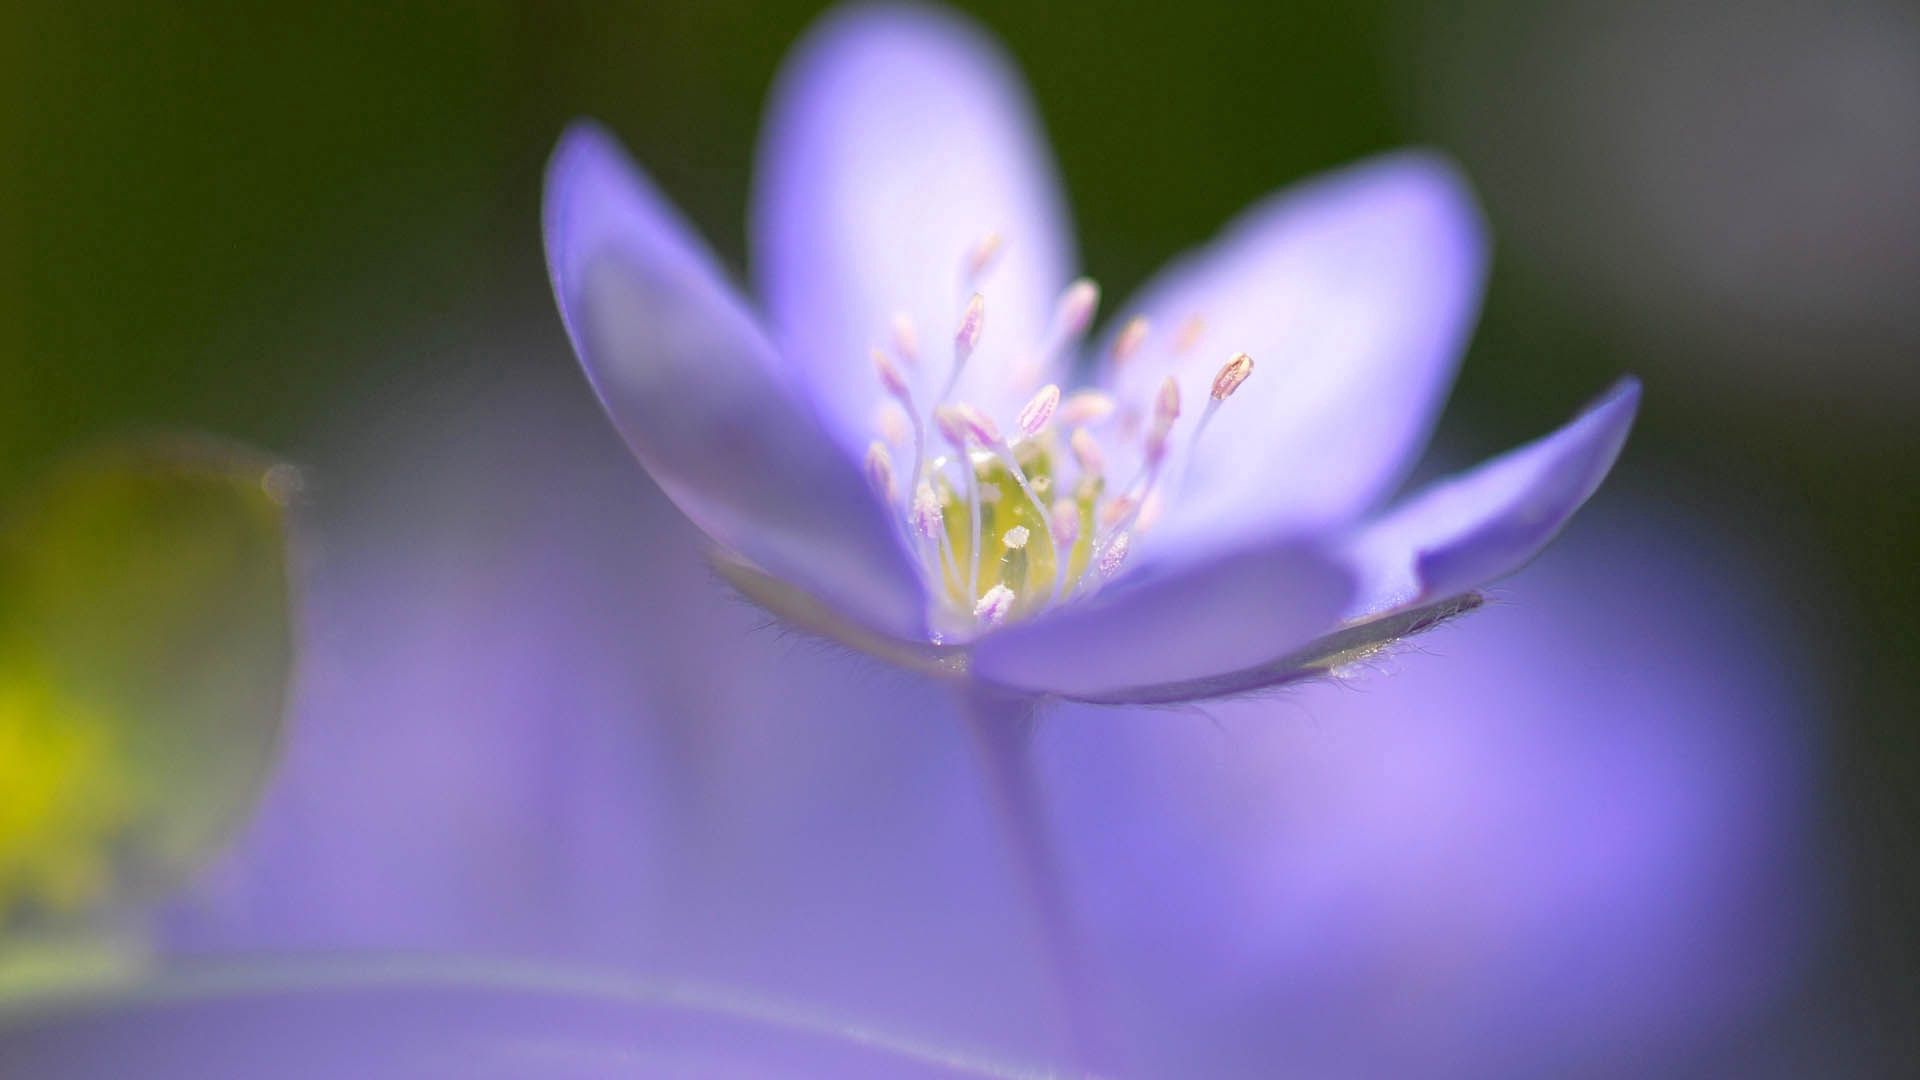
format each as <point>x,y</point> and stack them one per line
<point>1354,294</point>
<point>1181,626</point>
<point>897,139</point>
<point>696,389</point>
<point>1484,524</point>
<point>394,1018</point>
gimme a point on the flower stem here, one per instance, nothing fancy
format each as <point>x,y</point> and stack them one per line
<point>1000,725</point>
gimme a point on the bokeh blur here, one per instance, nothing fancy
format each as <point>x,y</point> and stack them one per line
<point>316,229</point>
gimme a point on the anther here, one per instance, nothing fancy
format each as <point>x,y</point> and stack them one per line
<point>977,424</point>
<point>1066,524</point>
<point>1015,538</point>
<point>1115,554</point>
<point>1039,410</point>
<point>1086,453</point>
<point>1234,372</point>
<point>906,340</point>
<point>1166,402</point>
<point>890,376</point>
<point>1077,305</point>
<point>880,471</point>
<point>965,340</point>
<point>952,428</point>
<point>981,258</point>
<point>1166,409</point>
<point>893,423</point>
<point>994,607</point>
<point>1231,376</point>
<point>1189,335</point>
<point>1085,407</point>
<point>927,516</point>
<point>1132,336</point>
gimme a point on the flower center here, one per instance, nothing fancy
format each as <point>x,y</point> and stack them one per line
<point>1007,525</point>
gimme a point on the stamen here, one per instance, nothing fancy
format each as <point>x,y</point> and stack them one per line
<point>1075,311</point>
<point>1038,411</point>
<point>929,520</point>
<point>971,324</point>
<point>1166,403</point>
<point>1132,336</point>
<point>1086,452</point>
<point>890,376</point>
<point>965,340</point>
<point>1086,407</point>
<point>926,516</point>
<point>880,472</point>
<point>1066,527</point>
<point>1234,372</point>
<point>977,425</point>
<point>1231,376</point>
<point>906,339</point>
<point>1071,317</point>
<point>1115,554</point>
<point>1189,334</point>
<point>1166,409</point>
<point>994,606</point>
<point>893,423</point>
<point>895,384</point>
<point>955,429</point>
<point>980,259</point>
<point>1068,507</point>
<point>1120,515</point>
<point>947,419</point>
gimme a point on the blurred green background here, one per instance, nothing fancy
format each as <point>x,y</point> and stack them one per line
<point>247,218</point>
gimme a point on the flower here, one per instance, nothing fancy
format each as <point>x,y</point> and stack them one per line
<point>526,731</point>
<point>907,394</point>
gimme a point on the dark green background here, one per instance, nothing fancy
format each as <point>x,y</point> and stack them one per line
<point>246,218</point>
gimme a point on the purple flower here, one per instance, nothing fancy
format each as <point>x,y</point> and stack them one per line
<point>912,446</point>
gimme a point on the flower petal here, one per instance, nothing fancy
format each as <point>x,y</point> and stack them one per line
<point>897,140</point>
<point>398,1018</point>
<point>1184,625</point>
<point>1354,294</point>
<point>696,389</point>
<point>1484,524</point>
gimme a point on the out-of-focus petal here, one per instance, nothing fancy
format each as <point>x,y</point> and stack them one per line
<point>897,140</point>
<point>1184,625</point>
<point>1468,530</point>
<point>1581,841</point>
<point>398,1019</point>
<point>695,388</point>
<point>1355,294</point>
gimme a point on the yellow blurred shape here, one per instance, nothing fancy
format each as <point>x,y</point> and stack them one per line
<point>64,803</point>
<point>145,645</point>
